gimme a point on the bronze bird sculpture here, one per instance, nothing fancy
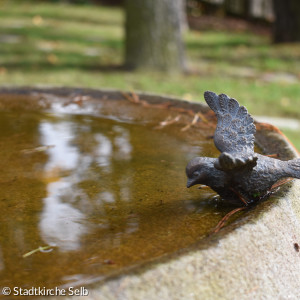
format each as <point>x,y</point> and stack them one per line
<point>239,175</point>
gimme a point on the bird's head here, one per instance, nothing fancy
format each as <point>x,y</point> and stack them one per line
<point>198,171</point>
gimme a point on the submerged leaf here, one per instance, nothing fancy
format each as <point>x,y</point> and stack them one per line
<point>44,249</point>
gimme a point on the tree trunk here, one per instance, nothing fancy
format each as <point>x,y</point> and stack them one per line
<point>286,27</point>
<point>153,35</point>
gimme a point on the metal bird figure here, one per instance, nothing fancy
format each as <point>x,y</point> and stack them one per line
<point>238,175</point>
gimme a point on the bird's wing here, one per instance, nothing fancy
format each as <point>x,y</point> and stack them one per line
<point>234,135</point>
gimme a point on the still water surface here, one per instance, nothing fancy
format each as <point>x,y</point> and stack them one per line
<point>101,194</point>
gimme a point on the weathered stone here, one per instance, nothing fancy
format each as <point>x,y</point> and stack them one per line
<point>255,257</point>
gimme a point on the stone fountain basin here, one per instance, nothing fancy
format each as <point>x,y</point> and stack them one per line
<point>255,257</point>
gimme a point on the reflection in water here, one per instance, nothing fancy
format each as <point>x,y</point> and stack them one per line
<point>1,261</point>
<point>63,156</point>
<point>103,151</point>
<point>122,142</point>
<point>107,194</point>
<point>62,224</point>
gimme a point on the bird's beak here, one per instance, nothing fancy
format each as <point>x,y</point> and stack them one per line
<point>190,183</point>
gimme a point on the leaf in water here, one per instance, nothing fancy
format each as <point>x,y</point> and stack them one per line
<point>167,122</point>
<point>45,249</point>
<point>37,149</point>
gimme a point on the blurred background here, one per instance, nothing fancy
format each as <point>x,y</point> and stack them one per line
<point>248,49</point>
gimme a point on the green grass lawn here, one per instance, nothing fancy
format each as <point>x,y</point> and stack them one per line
<point>82,46</point>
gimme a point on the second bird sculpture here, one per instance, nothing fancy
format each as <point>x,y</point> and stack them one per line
<point>239,175</point>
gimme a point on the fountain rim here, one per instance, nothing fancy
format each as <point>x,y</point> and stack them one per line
<point>113,94</point>
<point>267,137</point>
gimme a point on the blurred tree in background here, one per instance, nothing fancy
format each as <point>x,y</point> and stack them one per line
<point>287,21</point>
<point>154,35</point>
<point>82,43</point>
<point>284,15</point>
<point>153,21</point>
<point>245,9</point>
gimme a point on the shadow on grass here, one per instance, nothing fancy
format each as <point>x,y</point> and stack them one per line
<point>58,15</point>
<point>28,53</point>
<point>46,66</point>
<point>220,44</point>
<point>51,34</point>
<point>244,51</point>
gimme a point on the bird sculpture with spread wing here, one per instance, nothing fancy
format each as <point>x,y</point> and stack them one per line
<point>238,175</point>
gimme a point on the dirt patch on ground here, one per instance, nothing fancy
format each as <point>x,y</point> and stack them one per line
<point>228,24</point>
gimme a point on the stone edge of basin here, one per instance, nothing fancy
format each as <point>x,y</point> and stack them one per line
<point>256,259</point>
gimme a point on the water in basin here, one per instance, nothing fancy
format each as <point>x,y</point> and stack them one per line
<point>99,194</point>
